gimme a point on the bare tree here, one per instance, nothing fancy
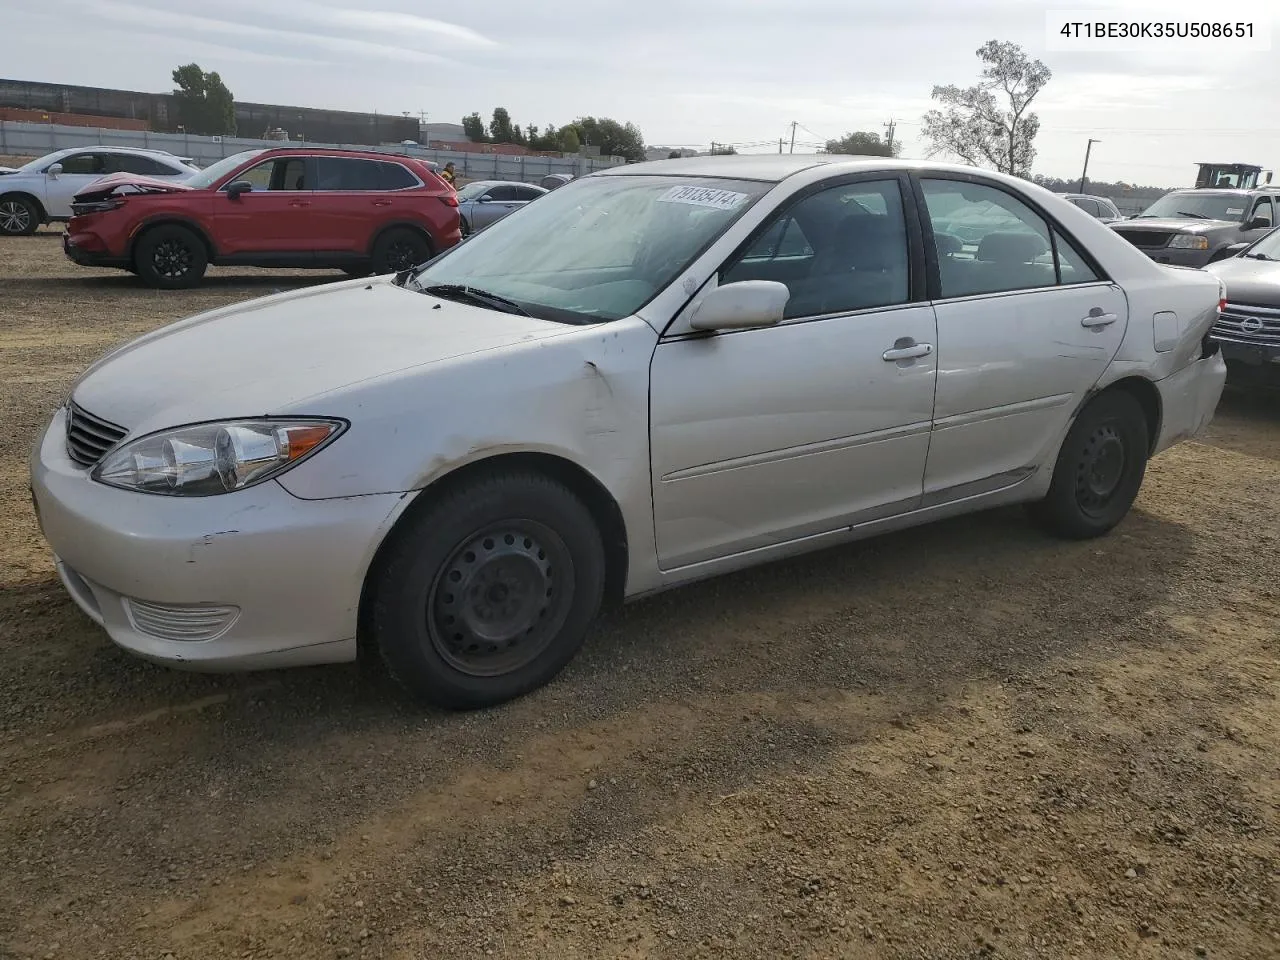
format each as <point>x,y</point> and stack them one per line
<point>988,124</point>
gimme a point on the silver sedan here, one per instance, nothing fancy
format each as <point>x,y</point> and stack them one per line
<point>483,203</point>
<point>718,362</point>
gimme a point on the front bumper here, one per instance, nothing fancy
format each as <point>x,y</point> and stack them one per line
<point>285,575</point>
<point>1188,399</point>
<point>78,253</point>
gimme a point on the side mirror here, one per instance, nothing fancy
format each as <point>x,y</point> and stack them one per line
<point>486,199</point>
<point>239,187</point>
<point>54,170</point>
<point>1259,223</point>
<point>741,305</point>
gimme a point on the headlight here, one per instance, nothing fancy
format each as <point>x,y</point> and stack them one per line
<point>211,458</point>
<point>1185,241</point>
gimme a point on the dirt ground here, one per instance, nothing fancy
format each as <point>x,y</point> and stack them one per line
<point>956,742</point>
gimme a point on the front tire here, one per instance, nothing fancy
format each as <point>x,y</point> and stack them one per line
<point>487,593</point>
<point>1100,469</point>
<point>19,217</point>
<point>170,257</point>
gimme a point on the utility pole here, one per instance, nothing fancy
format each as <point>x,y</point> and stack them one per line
<point>1085,172</point>
<point>793,137</point>
<point>889,128</point>
<point>779,145</point>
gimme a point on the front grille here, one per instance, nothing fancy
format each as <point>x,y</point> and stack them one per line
<point>89,437</point>
<point>1249,323</point>
<point>1146,238</point>
<point>185,622</point>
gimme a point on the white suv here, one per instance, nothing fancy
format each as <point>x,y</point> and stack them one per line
<point>41,191</point>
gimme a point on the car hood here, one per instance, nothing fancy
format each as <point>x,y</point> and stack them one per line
<point>1248,280</point>
<point>270,356</point>
<point>116,183</point>
<point>1174,225</point>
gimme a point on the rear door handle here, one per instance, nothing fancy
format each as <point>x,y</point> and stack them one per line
<point>1095,320</point>
<point>907,351</point>
<point>382,203</point>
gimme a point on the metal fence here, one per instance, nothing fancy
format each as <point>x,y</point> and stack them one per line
<point>36,139</point>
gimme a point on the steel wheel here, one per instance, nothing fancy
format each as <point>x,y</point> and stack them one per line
<point>500,598</point>
<point>16,217</point>
<point>1100,469</point>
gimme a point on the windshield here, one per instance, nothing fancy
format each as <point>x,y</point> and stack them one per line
<point>473,190</point>
<point>213,173</point>
<point>598,248</point>
<point>1268,248</point>
<point>1198,206</point>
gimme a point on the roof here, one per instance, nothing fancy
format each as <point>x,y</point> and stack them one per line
<point>772,167</point>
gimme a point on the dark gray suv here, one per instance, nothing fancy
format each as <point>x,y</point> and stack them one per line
<point>1189,227</point>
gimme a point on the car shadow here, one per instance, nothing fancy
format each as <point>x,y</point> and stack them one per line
<point>1247,421</point>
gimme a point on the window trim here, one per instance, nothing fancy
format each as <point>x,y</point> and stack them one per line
<point>916,288</point>
<point>934,277</point>
<point>1271,208</point>
<point>309,172</point>
<point>86,152</point>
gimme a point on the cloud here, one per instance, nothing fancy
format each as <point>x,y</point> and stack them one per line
<point>193,24</point>
<point>394,24</point>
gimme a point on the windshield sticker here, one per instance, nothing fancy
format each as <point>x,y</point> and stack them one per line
<point>1235,209</point>
<point>703,197</point>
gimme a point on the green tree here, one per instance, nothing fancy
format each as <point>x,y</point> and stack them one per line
<point>863,144</point>
<point>205,106</point>
<point>722,150</point>
<point>988,124</point>
<point>473,127</point>
<point>570,139</point>
<point>613,138</point>
<point>500,129</point>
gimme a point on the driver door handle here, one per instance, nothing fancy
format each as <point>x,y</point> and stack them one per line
<point>1099,319</point>
<point>908,350</point>
<point>299,203</point>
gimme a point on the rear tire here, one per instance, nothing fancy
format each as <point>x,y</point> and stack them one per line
<point>399,249</point>
<point>1099,470</point>
<point>19,217</point>
<point>170,257</point>
<point>487,593</point>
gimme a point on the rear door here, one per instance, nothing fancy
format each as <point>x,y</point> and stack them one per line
<point>495,204</point>
<point>275,220</point>
<point>350,204</point>
<point>1026,325</point>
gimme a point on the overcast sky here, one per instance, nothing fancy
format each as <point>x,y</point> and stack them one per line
<point>685,71</point>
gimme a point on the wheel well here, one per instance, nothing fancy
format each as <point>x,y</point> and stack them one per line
<point>416,228</point>
<point>185,224</point>
<point>604,509</point>
<point>1148,398</point>
<point>32,198</point>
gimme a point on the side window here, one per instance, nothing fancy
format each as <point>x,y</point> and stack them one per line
<point>842,249</point>
<point>84,163</point>
<point>1072,267</point>
<point>1264,209</point>
<point>347,173</point>
<point>1088,206</point>
<point>504,193</point>
<point>135,163</point>
<point>395,176</point>
<point>988,240</point>
<point>527,193</point>
<point>259,176</point>
<point>284,173</point>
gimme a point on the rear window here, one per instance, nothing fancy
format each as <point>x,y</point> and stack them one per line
<point>395,176</point>
<point>347,173</point>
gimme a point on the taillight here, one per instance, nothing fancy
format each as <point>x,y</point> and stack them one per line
<point>1222,305</point>
<point>450,199</point>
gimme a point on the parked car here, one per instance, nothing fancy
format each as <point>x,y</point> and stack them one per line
<point>553,180</point>
<point>1100,207</point>
<point>485,202</point>
<point>282,207</point>
<point>1249,327</point>
<point>1190,227</point>
<point>41,191</point>
<point>462,462</point>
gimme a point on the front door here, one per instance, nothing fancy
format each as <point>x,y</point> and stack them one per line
<point>767,435</point>
<point>78,171</point>
<point>1026,326</point>
<point>273,221</point>
<point>499,201</point>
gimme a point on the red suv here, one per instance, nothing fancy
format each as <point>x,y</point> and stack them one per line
<point>282,207</point>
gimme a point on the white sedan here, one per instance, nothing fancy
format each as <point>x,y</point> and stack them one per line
<point>718,362</point>
<point>42,190</point>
